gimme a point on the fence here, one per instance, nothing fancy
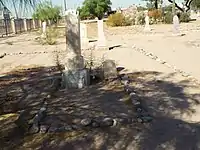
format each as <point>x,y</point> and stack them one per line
<point>16,26</point>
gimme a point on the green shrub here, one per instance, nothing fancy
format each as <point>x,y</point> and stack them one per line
<point>51,35</point>
<point>168,18</point>
<point>118,19</point>
<point>184,17</point>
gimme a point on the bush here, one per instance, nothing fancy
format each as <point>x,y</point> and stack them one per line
<point>50,36</point>
<point>168,18</point>
<point>140,19</point>
<point>118,19</point>
<point>184,17</point>
<point>155,14</point>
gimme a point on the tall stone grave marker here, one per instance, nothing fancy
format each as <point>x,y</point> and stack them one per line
<point>198,15</point>
<point>101,43</point>
<point>84,37</point>
<point>176,25</point>
<point>74,75</point>
<point>147,26</point>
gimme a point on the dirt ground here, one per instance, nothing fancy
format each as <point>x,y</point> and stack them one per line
<point>172,100</point>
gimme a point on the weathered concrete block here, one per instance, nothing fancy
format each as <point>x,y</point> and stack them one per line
<point>109,69</point>
<point>76,78</point>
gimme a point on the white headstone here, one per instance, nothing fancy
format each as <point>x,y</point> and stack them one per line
<point>84,38</point>
<point>101,37</point>
<point>198,15</point>
<point>147,26</point>
<point>176,25</point>
<point>44,28</point>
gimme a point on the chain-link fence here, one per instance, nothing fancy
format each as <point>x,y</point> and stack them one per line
<point>6,26</point>
<point>19,26</point>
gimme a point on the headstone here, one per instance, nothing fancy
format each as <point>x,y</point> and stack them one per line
<point>193,15</point>
<point>109,69</point>
<point>176,25</point>
<point>25,25</point>
<point>147,26</point>
<point>44,28</point>
<point>101,43</point>
<point>84,38</point>
<point>74,75</point>
<point>34,26</point>
<point>198,15</point>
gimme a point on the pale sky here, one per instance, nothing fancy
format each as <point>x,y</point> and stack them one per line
<point>116,3</point>
<point>73,4</point>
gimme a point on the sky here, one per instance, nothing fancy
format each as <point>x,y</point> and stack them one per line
<point>73,4</point>
<point>115,3</point>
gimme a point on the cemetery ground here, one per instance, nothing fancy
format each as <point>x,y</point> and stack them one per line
<point>171,98</point>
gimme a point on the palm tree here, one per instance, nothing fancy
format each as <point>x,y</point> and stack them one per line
<point>21,5</point>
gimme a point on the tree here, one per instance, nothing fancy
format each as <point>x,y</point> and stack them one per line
<point>195,4</point>
<point>20,5</point>
<point>187,4</point>
<point>46,11</point>
<point>94,8</point>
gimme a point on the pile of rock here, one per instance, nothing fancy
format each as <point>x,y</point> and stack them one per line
<point>2,55</point>
<point>31,126</point>
<point>154,57</point>
<point>142,114</point>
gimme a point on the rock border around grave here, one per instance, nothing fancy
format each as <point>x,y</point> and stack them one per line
<point>174,68</point>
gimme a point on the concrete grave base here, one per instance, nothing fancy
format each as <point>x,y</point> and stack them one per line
<point>85,43</point>
<point>76,78</point>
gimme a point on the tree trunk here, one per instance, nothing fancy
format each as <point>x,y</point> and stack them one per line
<point>181,9</point>
<point>156,4</point>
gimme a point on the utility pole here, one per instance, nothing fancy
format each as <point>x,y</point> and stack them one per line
<point>65,5</point>
<point>173,8</point>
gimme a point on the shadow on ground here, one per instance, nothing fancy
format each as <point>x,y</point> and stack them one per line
<point>166,101</point>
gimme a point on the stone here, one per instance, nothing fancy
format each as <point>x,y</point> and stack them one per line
<point>52,129</point>
<point>34,129</point>
<point>109,69</point>
<point>76,78</point>
<point>73,33</point>
<point>37,119</point>
<point>106,122</point>
<point>84,38</point>
<point>176,25</point>
<point>144,119</point>
<point>22,121</point>
<point>198,15</point>
<point>44,128</point>
<point>74,75</point>
<point>101,43</point>
<point>147,26</point>
<point>44,28</point>
<point>86,122</point>
<point>95,124</point>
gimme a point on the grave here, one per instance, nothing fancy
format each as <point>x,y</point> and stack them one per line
<point>147,26</point>
<point>109,69</point>
<point>74,75</point>
<point>176,25</point>
<point>84,37</point>
<point>44,28</point>
<point>101,43</point>
<point>198,15</point>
